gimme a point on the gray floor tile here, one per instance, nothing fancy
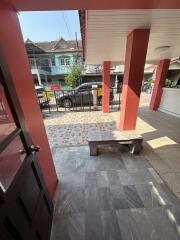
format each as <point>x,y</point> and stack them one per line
<point>153,195</point>
<point>128,161</point>
<point>134,224</point>
<point>102,179</point>
<point>90,166</point>
<point>109,163</point>
<point>90,179</point>
<point>70,201</point>
<point>121,203</point>
<point>80,165</point>
<point>104,199</point>
<point>110,227</point>
<point>68,227</point>
<point>132,196</point>
<point>134,162</point>
<point>91,199</point>
<point>140,162</point>
<point>135,176</point>
<point>93,226</point>
<point>155,175</point>
<point>170,196</point>
<point>125,197</point>
<point>163,224</point>
<point>117,192</point>
<point>174,214</point>
<point>72,180</point>
<point>78,200</point>
<point>114,179</point>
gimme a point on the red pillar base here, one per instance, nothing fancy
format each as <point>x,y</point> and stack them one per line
<point>136,49</point>
<point>106,86</point>
<point>161,74</point>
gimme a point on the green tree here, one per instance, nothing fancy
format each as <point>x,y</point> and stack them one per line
<point>74,77</point>
<point>168,83</point>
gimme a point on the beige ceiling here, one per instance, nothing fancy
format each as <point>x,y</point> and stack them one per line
<point>107,31</point>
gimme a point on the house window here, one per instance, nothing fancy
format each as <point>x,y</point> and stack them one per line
<point>31,61</point>
<point>63,45</point>
<point>64,61</point>
<point>46,62</point>
<point>53,61</point>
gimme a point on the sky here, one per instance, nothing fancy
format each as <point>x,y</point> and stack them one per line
<point>50,25</point>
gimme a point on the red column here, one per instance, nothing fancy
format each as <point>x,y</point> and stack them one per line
<point>106,86</point>
<point>161,75</point>
<point>11,41</point>
<point>136,49</point>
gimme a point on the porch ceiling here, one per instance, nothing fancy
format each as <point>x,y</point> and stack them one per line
<point>107,30</point>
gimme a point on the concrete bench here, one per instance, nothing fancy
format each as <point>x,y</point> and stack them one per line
<point>130,138</point>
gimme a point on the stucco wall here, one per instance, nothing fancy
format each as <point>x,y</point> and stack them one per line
<point>170,101</point>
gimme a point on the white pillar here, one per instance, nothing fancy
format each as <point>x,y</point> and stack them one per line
<point>116,84</point>
<point>39,78</point>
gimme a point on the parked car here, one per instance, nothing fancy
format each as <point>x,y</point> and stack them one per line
<point>42,96</point>
<point>81,95</point>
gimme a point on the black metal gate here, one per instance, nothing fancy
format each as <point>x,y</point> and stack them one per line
<point>72,100</point>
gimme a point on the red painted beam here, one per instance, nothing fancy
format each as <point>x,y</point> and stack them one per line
<point>161,75</point>
<point>136,49</point>
<point>106,86</point>
<point>34,5</point>
<point>11,41</point>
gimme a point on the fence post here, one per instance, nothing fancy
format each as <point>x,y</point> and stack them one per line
<point>56,100</point>
<point>94,93</point>
<point>48,99</point>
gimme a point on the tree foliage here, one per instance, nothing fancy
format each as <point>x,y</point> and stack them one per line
<point>74,77</point>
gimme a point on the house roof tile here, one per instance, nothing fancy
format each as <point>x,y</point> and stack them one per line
<point>52,46</point>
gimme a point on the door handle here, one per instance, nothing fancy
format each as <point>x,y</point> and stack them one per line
<point>34,148</point>
<point>21,151</point>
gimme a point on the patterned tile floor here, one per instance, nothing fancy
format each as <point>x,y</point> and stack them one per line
<point>112,196</point>
<point>71,128</point>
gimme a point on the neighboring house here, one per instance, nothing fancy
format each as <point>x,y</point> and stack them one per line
<point>93,73</point>
<point>51,61</point>
<point>174,71</point>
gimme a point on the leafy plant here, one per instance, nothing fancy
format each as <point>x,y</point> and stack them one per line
<point>167,83</point>
<point>150,81</point>
<point>74,77</point>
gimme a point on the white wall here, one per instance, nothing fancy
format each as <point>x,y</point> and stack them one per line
<point>170,101</point>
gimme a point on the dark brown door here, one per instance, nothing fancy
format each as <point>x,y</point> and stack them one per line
<point>25,207</point>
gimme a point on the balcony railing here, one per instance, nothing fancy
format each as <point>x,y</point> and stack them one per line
<point>65,69</point>
<point>54,70</point>
<point>60,69</point>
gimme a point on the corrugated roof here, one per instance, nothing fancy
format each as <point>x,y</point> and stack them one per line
<point>52,46</point>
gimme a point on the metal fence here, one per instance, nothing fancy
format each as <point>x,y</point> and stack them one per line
<point>73,100</point>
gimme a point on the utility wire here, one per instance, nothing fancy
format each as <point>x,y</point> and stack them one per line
<point>65,18</point>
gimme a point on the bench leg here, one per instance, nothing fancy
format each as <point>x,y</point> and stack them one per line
<point>137,147</point>
<point>93,150</point>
